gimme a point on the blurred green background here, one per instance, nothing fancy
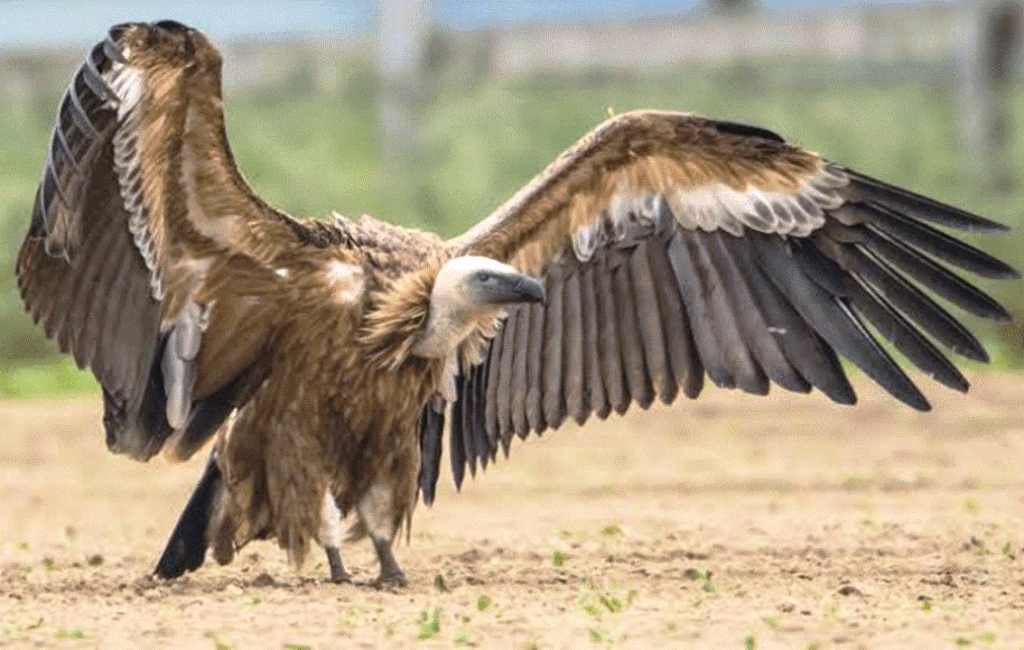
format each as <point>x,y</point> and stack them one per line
<point>310,148</point>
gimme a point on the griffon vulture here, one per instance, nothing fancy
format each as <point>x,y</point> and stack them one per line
<point>325,358</point>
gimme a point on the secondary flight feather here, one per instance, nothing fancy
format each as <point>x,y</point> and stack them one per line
<point>327,360</point>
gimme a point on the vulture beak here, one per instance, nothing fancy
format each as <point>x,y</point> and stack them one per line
<point>530,289</point>
<point>515,289</point>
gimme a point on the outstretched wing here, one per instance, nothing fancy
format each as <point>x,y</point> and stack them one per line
<point>145,241</point>
<point>675,247</point>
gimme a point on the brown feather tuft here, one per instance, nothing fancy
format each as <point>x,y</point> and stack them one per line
<point>397,315</point>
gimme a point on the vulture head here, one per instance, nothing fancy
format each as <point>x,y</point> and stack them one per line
<point>467,291</point>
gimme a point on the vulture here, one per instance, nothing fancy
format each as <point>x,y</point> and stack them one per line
<point>327,360</point>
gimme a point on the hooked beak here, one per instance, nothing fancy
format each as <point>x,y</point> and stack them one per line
<point>530,289</point>
<point>518,289</point>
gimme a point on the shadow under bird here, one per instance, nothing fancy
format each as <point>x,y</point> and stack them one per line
<point>327,360</point>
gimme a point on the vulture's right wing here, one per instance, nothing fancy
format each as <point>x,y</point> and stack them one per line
<point>140,220</point>
<point>674,247</point>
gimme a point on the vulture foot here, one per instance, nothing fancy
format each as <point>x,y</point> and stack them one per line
<point>390,580</point>
<point>338,573</point>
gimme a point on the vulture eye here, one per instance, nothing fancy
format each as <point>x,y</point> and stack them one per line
<point>484,277</point>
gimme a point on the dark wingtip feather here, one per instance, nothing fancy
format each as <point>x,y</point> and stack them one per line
<point>431,436</point>
<point>1008,273</point>
<point>456,444</point>
<point>186,548</point>
<point>878,309</point>
<point>935,242</point>
<point>138,431</point>
<point>935,276</point>
<point>866,188</point>
<point>844,395</point>
<point>887,373</point>
<point>833,318</point>
<point>461,423</point>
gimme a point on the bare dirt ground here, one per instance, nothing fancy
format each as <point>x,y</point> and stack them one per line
<point>730,522</point>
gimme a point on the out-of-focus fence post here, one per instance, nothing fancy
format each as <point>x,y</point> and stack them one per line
<point>403,28</point>
<point>733,7</point>
<point>989,66</point>
<point>742,14</point>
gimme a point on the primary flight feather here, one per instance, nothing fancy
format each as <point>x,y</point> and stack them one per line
<point>325,359</point>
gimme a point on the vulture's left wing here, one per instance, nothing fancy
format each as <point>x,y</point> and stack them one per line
<point>675,246</point>
<point>140,220</point>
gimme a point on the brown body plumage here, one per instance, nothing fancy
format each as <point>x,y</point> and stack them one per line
<point>327,357</point>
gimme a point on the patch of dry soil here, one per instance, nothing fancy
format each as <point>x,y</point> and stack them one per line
<point>729,522</point>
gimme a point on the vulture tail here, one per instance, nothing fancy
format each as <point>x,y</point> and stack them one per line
<point>186,549</point>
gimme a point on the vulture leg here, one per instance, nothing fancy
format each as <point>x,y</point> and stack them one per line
<point>329,537</point>
<point>338,572</point>
<point>186,549</point>
<point>376,518</point>
<point>390,573</point>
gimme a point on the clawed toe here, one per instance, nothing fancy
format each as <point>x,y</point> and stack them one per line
<point>390,581</point>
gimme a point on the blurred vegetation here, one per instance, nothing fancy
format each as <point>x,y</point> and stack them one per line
<point>310,151</point>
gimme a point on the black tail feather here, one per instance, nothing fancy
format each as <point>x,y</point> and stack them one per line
<point>186,549</point>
